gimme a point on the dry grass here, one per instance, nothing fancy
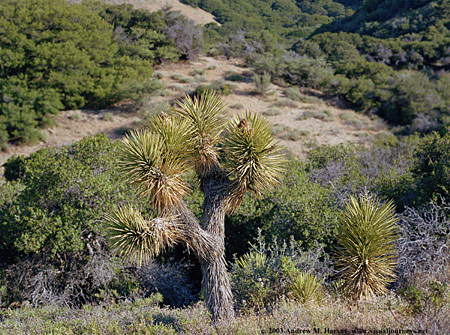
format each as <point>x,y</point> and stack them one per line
<point>145,317</point>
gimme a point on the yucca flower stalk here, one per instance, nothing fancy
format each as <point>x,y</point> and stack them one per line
<point>366,257</point>
<point>227,163</point>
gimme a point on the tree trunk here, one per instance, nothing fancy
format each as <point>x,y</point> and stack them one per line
<point>216,283</point>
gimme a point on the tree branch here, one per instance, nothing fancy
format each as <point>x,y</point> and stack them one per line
<point>204,244</point>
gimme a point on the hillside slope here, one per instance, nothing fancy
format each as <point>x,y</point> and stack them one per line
<point>298,124</point>
<point>199,16</point>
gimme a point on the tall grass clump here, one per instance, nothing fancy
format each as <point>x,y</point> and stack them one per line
<point>366,257</point>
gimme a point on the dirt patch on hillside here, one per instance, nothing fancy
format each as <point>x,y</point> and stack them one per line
<point>74,125</point>
<point>198,15</point>
<point>298,125</point>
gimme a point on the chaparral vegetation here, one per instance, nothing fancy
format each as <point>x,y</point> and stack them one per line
<point>282,168</point>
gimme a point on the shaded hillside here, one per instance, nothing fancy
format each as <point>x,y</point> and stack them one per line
<point>395,18</point>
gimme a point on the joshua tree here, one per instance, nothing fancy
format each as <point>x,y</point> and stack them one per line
<point>228,159</point>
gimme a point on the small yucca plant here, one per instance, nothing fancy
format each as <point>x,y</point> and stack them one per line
<point>306,287</point>
<point>366,258</point>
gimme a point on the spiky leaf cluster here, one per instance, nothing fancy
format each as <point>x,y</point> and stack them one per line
<point>156,160</point>
<point>306,287</point>
<point>138,239</point>
<point>256,258</point>
<point>204,114</point>
<point>253,159</point>
<point>367,252</point>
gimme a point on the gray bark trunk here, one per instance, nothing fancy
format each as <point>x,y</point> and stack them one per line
<point>216,283</point>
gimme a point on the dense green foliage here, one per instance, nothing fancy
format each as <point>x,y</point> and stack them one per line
<point>299,208</point>
<point>271,272</point>
<point>55,55</point>
<point>51,214</point>
<point>60,197</point>
<point>390,58</point>
<point>51,207</point>
<point>288,18</point>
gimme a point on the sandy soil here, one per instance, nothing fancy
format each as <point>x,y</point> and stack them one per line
<point>199,16</point>
<point>340,125</point>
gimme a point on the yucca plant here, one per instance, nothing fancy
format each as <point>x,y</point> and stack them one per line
<point>229,160</point>
<point>306,287</point>
<point>366,257</point>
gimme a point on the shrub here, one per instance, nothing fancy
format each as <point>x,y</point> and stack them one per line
<point>262,83</point>
<point>432,167</point>
<point>298,208</point>
<point>186,36</point>
<point>315,114</point>
<point>285,103</point>
<point>270,272</point>
<point>234,76</point>
<point>52,220</point>
<point>219,86</point>
<point>181,78</point>
<point>272,112</point>
<point>108,117</point>
<point>427,300</point>
<point>197,72</point>
<point>366,254</point>
<point>292,93</point>
<point>177,88</point>
<point>78,59</point>
<point>424,244</point>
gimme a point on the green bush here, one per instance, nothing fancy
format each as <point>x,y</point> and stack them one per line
<point>272,272</point>
<point>233,76</point>
<point>432,168</point>
<point>298,208</point>
<point>315,114</point>
<point>220,86</point>
<point>51,214</point>
<point>56,55</point>
<point>285,103</point>
<point>64,194</point>
<point>262,83</point>
<point>272,112</point>
<point>293,93</point>
<point>427,300</point>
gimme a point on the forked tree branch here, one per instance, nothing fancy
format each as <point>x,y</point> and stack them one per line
<point>204,244</point>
